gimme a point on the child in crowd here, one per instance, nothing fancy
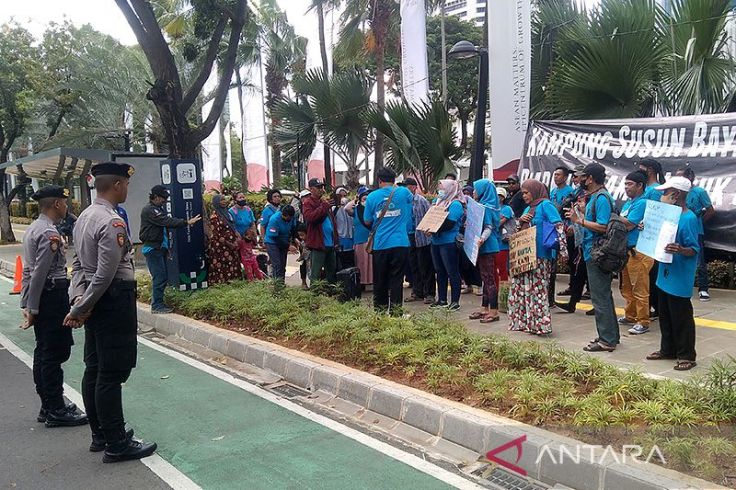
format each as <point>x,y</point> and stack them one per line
<point>248,258</point>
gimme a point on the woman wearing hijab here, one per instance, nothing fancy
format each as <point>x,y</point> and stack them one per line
<point>528,303</point>
<point>486,194</point>
<point>444,250</point>
<point>222,248</point>
<point>360,236</point>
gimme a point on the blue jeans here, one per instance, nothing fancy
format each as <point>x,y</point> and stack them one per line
<point>156,262</point>
<point>447,264</point>
<point>701,274</point>
<point>602,297</point>
<point>277,254</point>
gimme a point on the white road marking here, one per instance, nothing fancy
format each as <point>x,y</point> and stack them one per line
<point>162,468</point>
<point>402,456</point>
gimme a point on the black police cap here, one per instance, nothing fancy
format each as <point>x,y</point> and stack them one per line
<point>113,168</point>
<point>160,191</point>
<point>50,191</point>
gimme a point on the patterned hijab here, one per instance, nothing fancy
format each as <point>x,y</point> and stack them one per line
<point>452,192</point>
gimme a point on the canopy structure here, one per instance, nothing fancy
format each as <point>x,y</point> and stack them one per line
<point>67,163</point>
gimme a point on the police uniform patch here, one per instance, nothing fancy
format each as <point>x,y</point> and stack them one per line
<point>121,239</point>
<point>118,224</point>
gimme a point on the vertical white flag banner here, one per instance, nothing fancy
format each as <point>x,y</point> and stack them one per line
<point>509,56</point>
<point>211,149</point>
<point>255,143</point>
<point>414,69</point>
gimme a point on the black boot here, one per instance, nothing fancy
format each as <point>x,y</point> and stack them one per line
<point>590,312</point>
<point>98,440</point>
<point>128,449</point>
<point>68,416</point>
<point>42,415</point>
<point>567,307</point>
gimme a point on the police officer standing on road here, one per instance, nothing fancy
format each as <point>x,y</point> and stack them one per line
<point>103,293</point>
<point>45,302</point>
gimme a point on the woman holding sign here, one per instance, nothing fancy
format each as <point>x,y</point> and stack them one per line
<point>444,251</point>
<point>528,307</point>
<point>487,195</point>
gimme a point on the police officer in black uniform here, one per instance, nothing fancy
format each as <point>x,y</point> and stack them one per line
<point>45,302</point>
<point>103,293</point>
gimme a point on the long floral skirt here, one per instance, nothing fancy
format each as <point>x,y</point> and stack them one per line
<point>528,304</point>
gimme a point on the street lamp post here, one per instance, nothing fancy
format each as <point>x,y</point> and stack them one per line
<point>464,50</point>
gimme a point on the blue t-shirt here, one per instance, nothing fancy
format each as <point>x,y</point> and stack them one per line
<point>602,203</point>
<point>279,231</point>
<point>491,245</point>
<point>243,218</point>
<point>633,211</point>
<point>455,213</point>
<point>558,196</point>
<point>651,193</point>
<point>545,212</point>
<point>393,230</point>
<point>360,232</point>
<point>328,231</point>
<point>697,201</point>
<point>678,277</point>
<point>508,213</point>
<point>268,211</point>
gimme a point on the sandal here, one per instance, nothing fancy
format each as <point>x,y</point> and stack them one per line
<point>477,315</point>
<point>598,347</point>
<point>657,356</point>
<point>490,319</point>
<point>411,299</point>
<point>685,365</point>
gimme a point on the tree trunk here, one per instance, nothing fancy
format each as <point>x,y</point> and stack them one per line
<point>275,156</point>
<point>239,81</point>
<point>463,132</point>
<point>6,227</point>
<point>326,70</point>
<point>380,28</point>
<point>352,177</point>
<point>444,53</point>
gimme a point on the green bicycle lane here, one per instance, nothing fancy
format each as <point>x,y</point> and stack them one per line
<point>221,436</point>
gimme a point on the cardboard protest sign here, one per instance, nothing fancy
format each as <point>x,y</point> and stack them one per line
<point>660,229</point>
<point>433,219</point>
<point>523,251</point>
<point>473,229</point>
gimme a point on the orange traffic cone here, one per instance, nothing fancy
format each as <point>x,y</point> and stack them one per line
<point>18,277</point>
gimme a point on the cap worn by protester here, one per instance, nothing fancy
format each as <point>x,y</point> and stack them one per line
<point>408,181</point>
<point>513,178</point>
<point>304,193</point>
<point>113,168</point>
<point>595,170</point>
<point>579,169</point>
<point>341,190</point>
<point>160,191</point>
<point>677,182</point>
<point>637,176</point>
<point>315,183</point>
<point>50,191</point>
<point>502,192</point>
<point>468,189</point>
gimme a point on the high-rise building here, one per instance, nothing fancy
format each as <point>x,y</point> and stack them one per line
<point>470,10</point>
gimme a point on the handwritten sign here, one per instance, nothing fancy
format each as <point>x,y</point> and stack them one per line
<point>523,251</point>
<point>660,229</point>
<point>473,229</point>
<point>433,219</point>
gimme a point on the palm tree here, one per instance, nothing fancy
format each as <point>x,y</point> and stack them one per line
<point>420,139</point>
<point>331,110</point>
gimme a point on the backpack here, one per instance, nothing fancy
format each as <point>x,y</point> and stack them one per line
<point>610,252</point>
<point>508,229</point>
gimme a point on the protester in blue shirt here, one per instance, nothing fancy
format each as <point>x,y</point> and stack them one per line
<point>506,215</point>
<point>655,177</point>
<point>273,204</point>
<point>420,249</point>
<point>390,239</point>
<point>528,303</point>
<point>242,214</point>
<point>486,194</point>
<point>698,201</point>
<point>634,283</point>
<point>595,222</point>
<point>562,189</point>
<point>675,281</point>
<point>280,232</point>
<point>444,250</point>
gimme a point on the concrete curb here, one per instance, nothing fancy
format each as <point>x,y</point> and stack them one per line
<point>444,420</point>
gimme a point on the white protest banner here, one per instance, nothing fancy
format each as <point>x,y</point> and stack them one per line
<point>523,251</point>
<point>433,219</point>
<point>660,229</point>
<point>473,229</point>
<point>414,67</point>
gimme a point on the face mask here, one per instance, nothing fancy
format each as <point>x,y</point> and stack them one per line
<point>441,193</point>
<point>242,202</point>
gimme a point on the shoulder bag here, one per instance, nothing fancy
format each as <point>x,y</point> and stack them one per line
<point>371,236</point>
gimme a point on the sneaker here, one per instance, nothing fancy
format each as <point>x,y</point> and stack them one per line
<point>128,449</point>
<point>162,311</point>
<point>42,415</point>
<point>438,305</point>
<point>567,307</point>
<point>590,312</point>
<point>68,416</point>
<point>453,307</point>
<point>429,301</point>
<point>467,290</point>
<point>704,296</point>
<point>653,315</point>
<point>625,321</point>
<point>638,329</point>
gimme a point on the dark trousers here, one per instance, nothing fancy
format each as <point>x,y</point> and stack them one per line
<point>602,298</point>
<point>578,276</point>
<point>53,347</point>
<point>345,259</point>
<point>110,350</point>
<point>323,259</point>
<point>468,272</point>
<point>422,270</point>
<point>277,254</point>
<point>447,266</point>
<point>552,284</point>
<point>487,268</point>
<point>678,327</point>
<point>388,277</point>
<point>701,274</point>
<point>654,291</point>
<point>156,262</point>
